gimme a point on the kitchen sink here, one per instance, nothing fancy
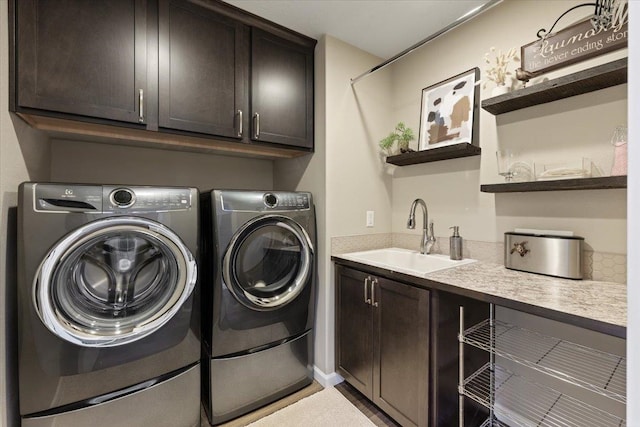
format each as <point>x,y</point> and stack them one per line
<point>405,260</point>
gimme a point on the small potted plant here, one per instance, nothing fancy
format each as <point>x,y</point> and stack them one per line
<point>401,136</point>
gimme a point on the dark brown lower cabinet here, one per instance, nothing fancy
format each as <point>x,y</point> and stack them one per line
<point>382,343</point>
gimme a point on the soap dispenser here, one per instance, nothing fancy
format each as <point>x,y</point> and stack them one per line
<point>455,244</point>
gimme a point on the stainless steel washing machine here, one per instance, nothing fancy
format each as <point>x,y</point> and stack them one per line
<point>258,280</point>
<point>108,306</point>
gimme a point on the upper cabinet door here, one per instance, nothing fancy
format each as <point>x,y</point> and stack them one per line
<point>203,71</point>
<point>82,57</point>
<point>281,91</point>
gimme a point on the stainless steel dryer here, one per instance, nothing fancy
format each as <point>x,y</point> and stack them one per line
<point>108,306</point>
<point>259,278</point>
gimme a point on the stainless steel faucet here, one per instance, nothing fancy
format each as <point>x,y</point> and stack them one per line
<point>427,241</point>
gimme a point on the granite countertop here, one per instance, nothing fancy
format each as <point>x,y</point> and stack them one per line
<point>601,301</point>
<point>604,302</point>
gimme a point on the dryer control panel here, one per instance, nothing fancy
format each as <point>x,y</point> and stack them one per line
<point>256,201</point>
<point>108,198</point>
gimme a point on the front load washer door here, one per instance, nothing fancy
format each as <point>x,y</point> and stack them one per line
<point>113,281</point>
<point>268,262</point>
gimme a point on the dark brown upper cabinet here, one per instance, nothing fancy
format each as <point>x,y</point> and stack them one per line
<point>82,57</point>
<point>191,75</point>
<point>203,70</point>
<point>220,77</point>
<point>281,91</point>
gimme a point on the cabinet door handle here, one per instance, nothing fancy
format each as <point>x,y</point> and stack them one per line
<point>140,105</point>
<point>374,282</point>
<point>366,282</point>
<point>239,122</point>
<point>256,122</point>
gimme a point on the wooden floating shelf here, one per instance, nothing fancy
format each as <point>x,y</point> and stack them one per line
<point>600,77</point>
<point>435,154</point>
<point>600,183</point>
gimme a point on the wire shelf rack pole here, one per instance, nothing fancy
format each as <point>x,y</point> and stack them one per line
<point>492,362</point>
<point>461,369</point>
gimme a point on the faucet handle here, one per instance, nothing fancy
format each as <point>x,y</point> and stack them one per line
<point>433,236</point>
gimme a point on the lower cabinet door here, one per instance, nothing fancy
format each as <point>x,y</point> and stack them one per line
<point>401,351</point>
<point>354,341</point>
<point>382,343</point>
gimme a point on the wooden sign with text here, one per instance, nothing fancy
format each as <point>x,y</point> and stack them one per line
<point>570,45</point>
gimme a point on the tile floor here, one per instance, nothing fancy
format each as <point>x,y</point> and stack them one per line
<point>374,414</point>
<point>365,406</point>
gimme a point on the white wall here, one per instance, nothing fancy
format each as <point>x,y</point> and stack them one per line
<point>356,180</point>
<point>24,155</point>
<point>356,117</point>
<point>307,173</point>
<point>568,129</point>
<point>80,161</point>
<point>633,272</point>
<point>345,173</point>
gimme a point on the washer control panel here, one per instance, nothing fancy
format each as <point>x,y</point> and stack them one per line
<point>122,197</point>
<point>104,198</point>
<point>67,198</point>
<point>146,199</point>
<point>270,200</point>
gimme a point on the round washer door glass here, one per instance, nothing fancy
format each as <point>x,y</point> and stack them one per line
<point>268,262</point>
<point>113,281</point>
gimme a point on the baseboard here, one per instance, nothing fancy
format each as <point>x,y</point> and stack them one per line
<point>326,380</point>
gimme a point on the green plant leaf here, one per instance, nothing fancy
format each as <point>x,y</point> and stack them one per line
<point>402,135</point>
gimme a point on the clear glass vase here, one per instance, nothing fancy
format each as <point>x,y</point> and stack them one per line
<point>619,142</point>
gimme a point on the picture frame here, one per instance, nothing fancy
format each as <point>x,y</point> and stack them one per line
<point>449,111</point>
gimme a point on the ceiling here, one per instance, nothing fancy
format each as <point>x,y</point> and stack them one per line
<point>381,27</point>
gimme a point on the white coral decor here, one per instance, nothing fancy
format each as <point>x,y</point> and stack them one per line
<point>496,70</point>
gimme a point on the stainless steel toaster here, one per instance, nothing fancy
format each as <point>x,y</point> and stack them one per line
<point>559,256</point>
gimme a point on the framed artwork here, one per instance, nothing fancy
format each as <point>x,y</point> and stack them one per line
<point>449,112</point>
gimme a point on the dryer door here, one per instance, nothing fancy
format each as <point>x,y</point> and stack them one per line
<point>268,262</point>
<point>113,281</point>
